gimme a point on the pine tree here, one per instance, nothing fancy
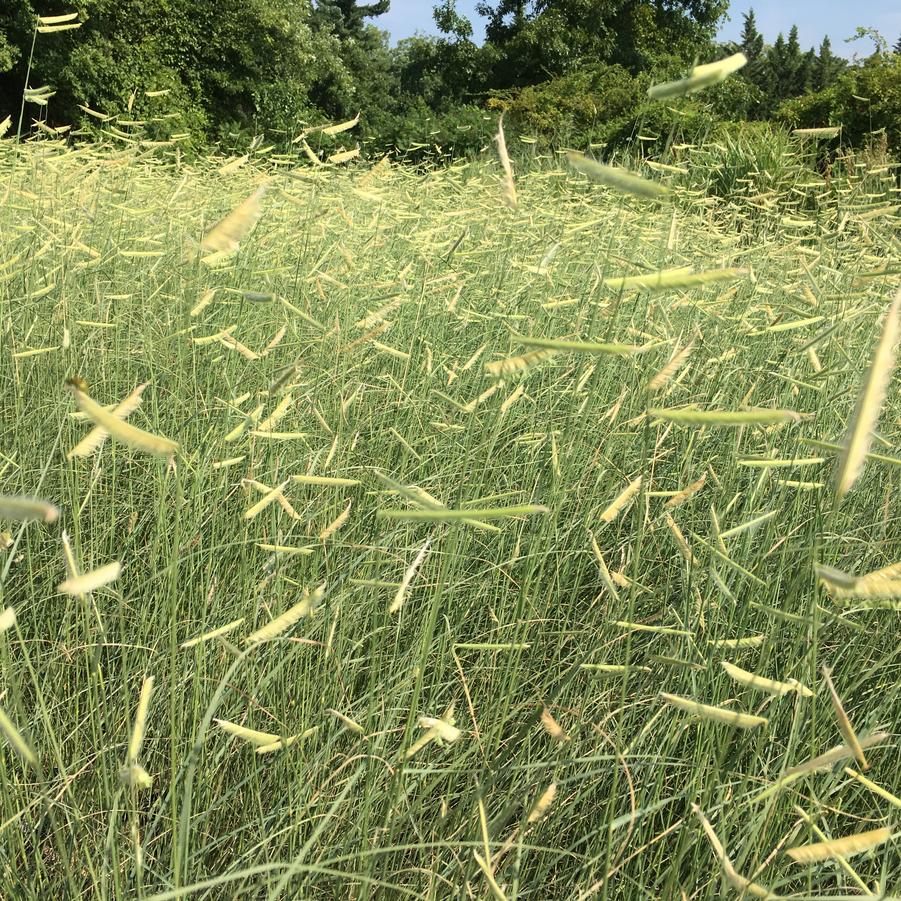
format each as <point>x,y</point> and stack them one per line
<point>776,73</point>
<point>751,39</point>
<point>753,47</point>
<point>806,70</point>
<point>787,74</point>
<point>794,63</point>
<point>897,47</point>
<point>826,68</point>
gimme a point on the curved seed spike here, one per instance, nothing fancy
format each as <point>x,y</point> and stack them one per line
<point>123,431</point>
<point>27,509</point>
<point>869,402</point>
<point>509,185</point>
<point>228,233</point>
<point>840,847</point>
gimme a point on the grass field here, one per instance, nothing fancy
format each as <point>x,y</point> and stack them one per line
<point>596,554</point>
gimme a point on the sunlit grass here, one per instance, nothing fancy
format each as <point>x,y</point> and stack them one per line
<point>516,557</point>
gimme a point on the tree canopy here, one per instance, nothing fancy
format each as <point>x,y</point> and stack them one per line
<point>347,17</point>
<point>231,69</point>
<point>532,40</point>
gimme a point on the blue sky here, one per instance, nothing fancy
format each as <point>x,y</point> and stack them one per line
<point>814,18</point>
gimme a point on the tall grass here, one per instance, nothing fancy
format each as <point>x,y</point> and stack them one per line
<point>395,294</point>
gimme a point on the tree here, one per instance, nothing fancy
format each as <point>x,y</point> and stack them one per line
<point>535,40</point>
<point>794,65</point>
<point>752,45</point>
<point>776,72</point>
<point>804,81</point>
<point>450,22</point>
<point>897,47</point>
<point>17,20</point>
<point>826,67</point>
<point>751,39</point>
<point>363,79</point>
<point>506,19</point>
<point>8,54</point>
<point>787,70</point>
<point>230,66</point>
<point>346,17</point>
<point>447,70</point>
<point>870,122</point>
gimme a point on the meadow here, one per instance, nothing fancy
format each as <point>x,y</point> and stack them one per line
<point>490,562</point>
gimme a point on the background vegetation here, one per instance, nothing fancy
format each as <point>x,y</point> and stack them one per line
<point>568,72</point>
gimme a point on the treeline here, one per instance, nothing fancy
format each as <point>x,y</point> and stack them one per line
<point>566,72</point>
<point>782,71</point>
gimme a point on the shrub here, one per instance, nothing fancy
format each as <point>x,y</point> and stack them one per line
<point>865,101</point>
<point>605,104</point>
<point>419,133</point>
<point>687,123</point>
<point>573,109</point>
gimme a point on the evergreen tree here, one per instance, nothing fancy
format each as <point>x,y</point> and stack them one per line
<point>776,73</point>
<point>751,39</point>
<point>897,47</point>
<point>806,70</point>
<point>826,68</point>
<point>794,62</point>
<point>788,70</point>
<point>364,80</point>
<point>753,47</point>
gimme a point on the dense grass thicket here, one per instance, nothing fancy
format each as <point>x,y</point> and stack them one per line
<point>364,308</point>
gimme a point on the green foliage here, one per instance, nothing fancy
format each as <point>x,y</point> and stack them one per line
<point>17,19</point>
<point>568,71</point>
<point>347,17</point>
<point>748,159</point>
<point>782,71</point>
<point>653,127</point>
<point>362,76</point>
<point>247,60</point>
<point>865,100</point>
<point>449,20</point>
<point>417,132</point>
<point>540,38</point>
<point>8,54</point>
<point>102,73</point>
<point>795,71</point>
<point>358,78</point>
<point>439,71</point>
<point>826,68</point>
<point>577,109</point>
<point>605,104</point>
<point>751,43</point>
<point>241,64</point>
<point>734,100</point>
